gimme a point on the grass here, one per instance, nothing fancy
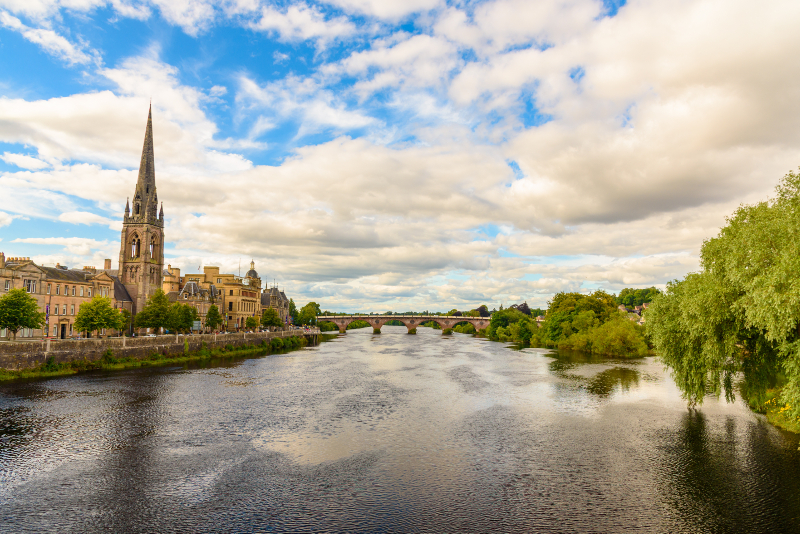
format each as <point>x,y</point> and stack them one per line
<point>109,363</point>
<point>777,413</point>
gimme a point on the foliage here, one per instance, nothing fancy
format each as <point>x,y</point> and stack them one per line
<point>180,317</point>
<point>271,317</point>
<point>19,310</point>
<point>126,319</point>
<point>742,311</point>
<point>251,323</point>
<point>98,314</point>
<point>576,321</point>
<point>431,324</point>
<point>357,324</point>
<point>631,297</point>
<point>327,326</point>
<point>465,328</point>
<point>447,331</point>
<point>308,314</point>
<point>155,313</point>
<point>213,318</point>
<point>293,311</point>
<point>521,307</point>
<point>483,311</point>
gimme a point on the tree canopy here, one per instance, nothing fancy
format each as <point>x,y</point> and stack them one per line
<point>19,310</point>
<point>741,312</point>
<point>98,314</point>
<point>155,313</point>
<point>213,318</point>
<point>631,297</point>
<point>308,314</point>
<point>271,317</point>
<point>180,317</point>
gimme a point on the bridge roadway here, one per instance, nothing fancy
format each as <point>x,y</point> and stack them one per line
<point>410,321</point>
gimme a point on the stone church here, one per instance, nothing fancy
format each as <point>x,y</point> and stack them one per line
<point>141,253</point>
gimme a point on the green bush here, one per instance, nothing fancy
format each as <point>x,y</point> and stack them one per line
<point>447,331</point>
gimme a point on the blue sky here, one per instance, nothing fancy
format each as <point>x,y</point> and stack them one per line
<point>372,155</point>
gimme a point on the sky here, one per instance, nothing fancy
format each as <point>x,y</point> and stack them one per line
<point>376,155</point>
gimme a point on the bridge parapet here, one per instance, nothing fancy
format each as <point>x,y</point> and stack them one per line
<point>410,321</point>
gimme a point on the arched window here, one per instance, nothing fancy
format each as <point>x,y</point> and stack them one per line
<point>153,248</point>
<point>136,209</point>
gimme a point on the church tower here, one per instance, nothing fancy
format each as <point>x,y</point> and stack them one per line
<point>141,254</point>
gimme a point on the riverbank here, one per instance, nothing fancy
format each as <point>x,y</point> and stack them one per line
<point>108,362</point>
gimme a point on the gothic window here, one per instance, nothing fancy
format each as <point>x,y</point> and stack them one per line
<point>152,247</point>
<point>137,209</point>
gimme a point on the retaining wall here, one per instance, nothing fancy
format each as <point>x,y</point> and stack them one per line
<point>29,354</point>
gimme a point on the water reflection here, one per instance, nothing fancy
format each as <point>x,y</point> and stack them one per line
<point>390,433</point>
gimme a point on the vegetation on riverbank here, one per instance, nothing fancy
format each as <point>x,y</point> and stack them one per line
<point>574,321</point>
<point>108,362</point>
<point>739,315</point>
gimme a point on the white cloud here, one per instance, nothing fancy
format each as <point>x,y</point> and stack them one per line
<point>24,162</point>
<point>302,22</point>
<point>5,219</point>
<point>386,9</point>
<point>74,245</point>
<point>51,42</point>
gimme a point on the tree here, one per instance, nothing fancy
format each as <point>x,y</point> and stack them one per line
<point>522,307</point>
<point>271,317</point>
<point>126,319</point>
<point>213,318</point>
<point>19,310</point>
<point>251,322</point>
<point>99,314</point>
<point>741,312</point>
<point>155,313</point>
<point>293,311</point>
<point>180,317</point>
<point>483,310</point>
<point>308,314</point>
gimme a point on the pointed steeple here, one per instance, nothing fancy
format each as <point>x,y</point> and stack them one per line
<point>127,206</point>
<point>161,213</point>
<point>145,199</point>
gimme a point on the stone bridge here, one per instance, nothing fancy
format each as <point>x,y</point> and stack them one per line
<point>410,321</point>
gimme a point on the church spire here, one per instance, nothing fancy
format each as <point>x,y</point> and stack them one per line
<point>145,200</point>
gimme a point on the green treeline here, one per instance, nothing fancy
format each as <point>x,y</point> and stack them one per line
<point>740,315</point>
<point>108,362</point>
<point>590,323</point>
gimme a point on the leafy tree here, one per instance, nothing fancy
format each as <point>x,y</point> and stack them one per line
<point>741,312</point>
<point>126,319</point>
<point>308,314</point>
<point>271,317</point>
<point>155,313</point>
<point>213,318</point>
<point>97,314</point>
<point>251,322</point>
<point>293,311</point>
<point>180,317</point>
<point>483,311</point>
<point>522,307</point>
<point>631,297</point>
<point>19,310</point>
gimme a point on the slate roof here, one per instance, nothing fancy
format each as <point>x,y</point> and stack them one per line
<point>66,275</point>
<point>120,293</point>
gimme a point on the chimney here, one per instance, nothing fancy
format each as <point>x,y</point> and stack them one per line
<point>2,260</point>
<point>107,264</point>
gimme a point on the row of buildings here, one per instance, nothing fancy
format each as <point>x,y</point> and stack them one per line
<point>60,291</point>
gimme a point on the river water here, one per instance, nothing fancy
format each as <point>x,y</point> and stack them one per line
<point>390,433</point>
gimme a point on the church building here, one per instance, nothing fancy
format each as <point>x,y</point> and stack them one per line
<point>141,254</point>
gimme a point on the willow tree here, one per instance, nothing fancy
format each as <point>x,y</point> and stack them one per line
<point>741,312</point>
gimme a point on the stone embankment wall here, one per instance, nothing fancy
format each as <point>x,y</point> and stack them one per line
<point>30,354</point>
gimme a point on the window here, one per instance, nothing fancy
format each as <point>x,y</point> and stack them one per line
<point>30,286</point>
<point>55,330</point>
<point>230,306</point>
<point>66,290</point>
<point>73,291</point>
<point>64,310</point>
<point>8,285</point>
<point>81,290</point>
<point>231,293</point>
<point>48,289</point>
<point>58,290</point>
<point>70,329</point>
<point>219,280</point>
<point>55,309</point>
<point>72,309</point>
<point>89,292</point>
<point>185,296</point>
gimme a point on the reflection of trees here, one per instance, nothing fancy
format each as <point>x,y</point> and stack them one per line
<point>716,483</point>
<point>604,383</point>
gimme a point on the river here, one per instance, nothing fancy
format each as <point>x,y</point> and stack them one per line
<point>390,433</point>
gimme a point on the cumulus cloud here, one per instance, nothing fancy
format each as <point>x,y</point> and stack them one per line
<point>74,245</point>
<point>23,161</point>
<point>51,42</point>
<point>302,22</point>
